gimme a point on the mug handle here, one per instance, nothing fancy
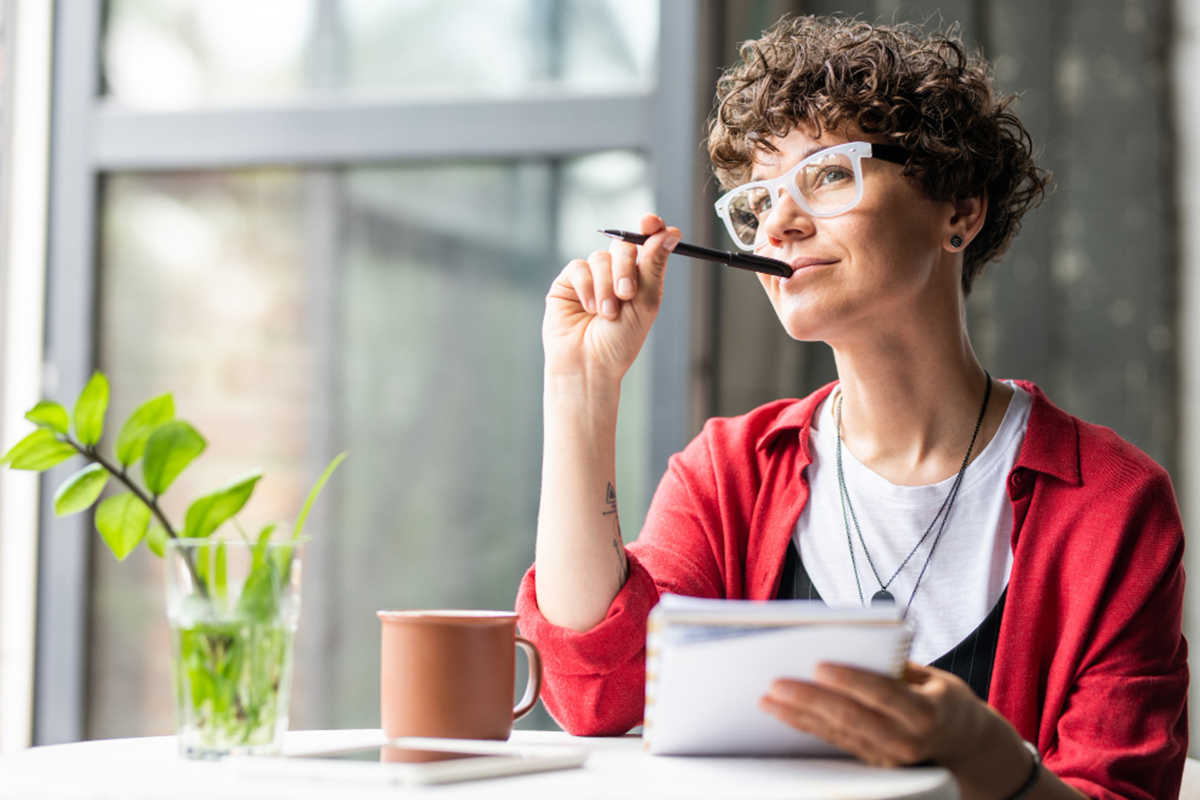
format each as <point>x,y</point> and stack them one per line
<point>533,689</point>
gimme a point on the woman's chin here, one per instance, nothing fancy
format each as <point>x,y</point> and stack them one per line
<point>804,322</point>
<point>803,330</point>
<point>804,335</point>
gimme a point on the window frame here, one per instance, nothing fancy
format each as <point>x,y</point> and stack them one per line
<point>27,33</point>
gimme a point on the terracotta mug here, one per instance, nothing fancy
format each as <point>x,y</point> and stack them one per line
<point>450,674</point>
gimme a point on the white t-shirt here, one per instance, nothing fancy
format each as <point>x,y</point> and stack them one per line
<point>970,567</point>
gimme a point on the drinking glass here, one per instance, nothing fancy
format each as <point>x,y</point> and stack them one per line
<point>233,607</point>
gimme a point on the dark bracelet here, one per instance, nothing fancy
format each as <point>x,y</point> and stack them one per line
<point>1034,774</point>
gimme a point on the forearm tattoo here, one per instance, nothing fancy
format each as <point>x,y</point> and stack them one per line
<point>618,542</point>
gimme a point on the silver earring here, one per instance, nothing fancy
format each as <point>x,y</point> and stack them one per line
<point>956,241</point>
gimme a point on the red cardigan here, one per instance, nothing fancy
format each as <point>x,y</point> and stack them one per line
<point>1091,663</point>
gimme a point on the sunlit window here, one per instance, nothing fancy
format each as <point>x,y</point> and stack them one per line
<point>186,53</point>
<point>234,222</point>
<point>438,274</point>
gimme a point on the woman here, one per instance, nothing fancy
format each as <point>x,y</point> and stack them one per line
<point>1038,557</point>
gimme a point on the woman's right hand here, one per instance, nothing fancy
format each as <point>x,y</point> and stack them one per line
<point>599,311</point>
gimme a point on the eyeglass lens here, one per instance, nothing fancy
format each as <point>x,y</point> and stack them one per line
<point>827,183</point>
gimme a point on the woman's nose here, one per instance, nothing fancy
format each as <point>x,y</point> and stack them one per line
<point>787,220</point>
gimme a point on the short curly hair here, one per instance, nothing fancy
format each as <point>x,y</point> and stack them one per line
<point>921,91</point>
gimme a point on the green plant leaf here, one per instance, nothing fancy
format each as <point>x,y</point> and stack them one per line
<point>156,540</point>
<point>260,545</point>
<point>39,451</point>
<point>207,513</point>
<point>263,537</point>
<point>283,562</point>
<point>281,553</point>
<point>168,451</point>
<point>220,571</point>
<point>199,677</point>
<point>259,601</point>
<point>131,441</point>
<point>122,521</point>
<point>48,414</point>
<point>80,490</point>
<point>90,409</point>
<point>203,555</point>
<point>316,490</point>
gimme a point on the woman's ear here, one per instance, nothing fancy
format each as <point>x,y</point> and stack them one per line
<point>965,221</point>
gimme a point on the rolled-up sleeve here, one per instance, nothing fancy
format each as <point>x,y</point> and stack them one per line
<point>594,681</point>
<point>694,542</point>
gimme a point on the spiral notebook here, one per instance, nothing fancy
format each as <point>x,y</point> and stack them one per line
<point>709,661</point>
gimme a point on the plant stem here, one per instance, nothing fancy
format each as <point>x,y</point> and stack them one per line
<point>151,503</point>
<point>120,474</point>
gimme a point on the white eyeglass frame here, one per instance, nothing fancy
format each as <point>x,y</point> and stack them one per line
<point>856,151</point>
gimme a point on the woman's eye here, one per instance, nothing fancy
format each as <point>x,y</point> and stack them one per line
<point>742,219</point>
<point>830,176</point>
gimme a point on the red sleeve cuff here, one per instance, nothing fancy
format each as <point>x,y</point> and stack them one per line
<point>619,637</point>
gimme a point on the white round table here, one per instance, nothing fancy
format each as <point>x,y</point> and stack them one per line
<point>142,769</point>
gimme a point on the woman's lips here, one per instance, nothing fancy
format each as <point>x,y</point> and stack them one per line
<point>801,264</point>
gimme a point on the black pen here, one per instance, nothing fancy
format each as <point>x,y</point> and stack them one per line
<point>749,261</point>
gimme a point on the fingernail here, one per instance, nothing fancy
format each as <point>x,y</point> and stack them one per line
<point>610,307</point>
<point>825,673</point>
<point>591,305</point>
<point>671,241</point>
<point>783,691</point>
<point>625,286</point>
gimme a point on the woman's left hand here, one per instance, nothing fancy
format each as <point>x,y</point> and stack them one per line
<point>928,715</point>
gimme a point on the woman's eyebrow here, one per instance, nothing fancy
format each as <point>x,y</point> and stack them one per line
<point>812,151</point>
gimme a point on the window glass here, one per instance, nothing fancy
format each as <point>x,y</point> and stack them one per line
<point>434,279</point>
<point>174,54</point>
<point>446,268</point>
<point>171,54</point>
<point>203,294</point>
<point>500,45</point>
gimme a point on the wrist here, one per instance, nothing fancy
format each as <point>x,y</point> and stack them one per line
<point>579,413</point>
<point>581,389</point>
<point>1032,777</point>
<point>996,764</point>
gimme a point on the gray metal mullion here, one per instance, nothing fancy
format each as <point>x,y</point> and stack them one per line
<point>60,694</point>
<point>322,215</point>
<point>343,132</point>
<point>676,157</point>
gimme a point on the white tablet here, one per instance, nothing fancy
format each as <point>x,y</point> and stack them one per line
<point>414,762</point>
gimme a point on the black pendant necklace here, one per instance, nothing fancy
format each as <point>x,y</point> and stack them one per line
<point>883,595</point>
